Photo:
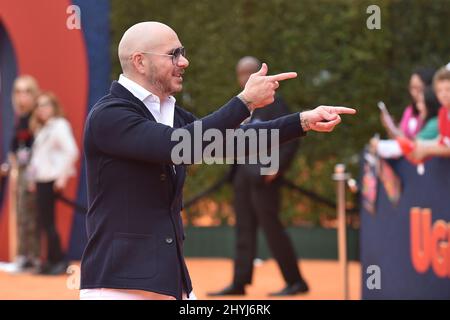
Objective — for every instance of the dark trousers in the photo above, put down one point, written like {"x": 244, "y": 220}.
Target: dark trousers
{"x": 28, "y": 230}
{"x": 257, "y": 205}
{"x": 45, "y": 198}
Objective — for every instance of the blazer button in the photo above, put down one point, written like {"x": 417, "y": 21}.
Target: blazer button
{"x": 169, "y": 240}
{"x": 162, "y": 176}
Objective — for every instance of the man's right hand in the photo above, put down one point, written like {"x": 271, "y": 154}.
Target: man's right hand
{"x": 260, "y": 88}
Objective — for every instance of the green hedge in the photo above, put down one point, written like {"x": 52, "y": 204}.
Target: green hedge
{"x": 308, "y": 242}
{"x": 339, "y": 60}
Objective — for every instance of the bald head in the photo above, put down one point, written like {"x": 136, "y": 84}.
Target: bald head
{"x": 143, "y": 36}
{"x": 250, "y": 64}
{"x": 245, "y": 67}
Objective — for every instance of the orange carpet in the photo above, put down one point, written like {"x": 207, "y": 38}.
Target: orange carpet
{"x": 207, "y": 275}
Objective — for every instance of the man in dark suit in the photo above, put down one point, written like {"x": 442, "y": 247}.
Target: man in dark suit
{"x": 135, "y": 231}
{"x": 257, "y": 203}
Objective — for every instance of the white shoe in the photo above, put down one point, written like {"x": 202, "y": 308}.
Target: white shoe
{"x": 14, "y": 267}
{"x": 10, "y": 267}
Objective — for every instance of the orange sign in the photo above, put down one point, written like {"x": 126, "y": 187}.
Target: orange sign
{"x": 429, "y": 243}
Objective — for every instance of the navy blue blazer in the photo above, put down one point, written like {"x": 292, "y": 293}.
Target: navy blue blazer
{"x": 134, "y": 225}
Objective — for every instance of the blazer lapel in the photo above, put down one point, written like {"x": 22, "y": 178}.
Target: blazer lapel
{"x": 176, "y": 172}
{"x": 180, "y": 170}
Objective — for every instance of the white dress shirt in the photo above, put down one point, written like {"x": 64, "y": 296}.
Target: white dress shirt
{"x": 54, "y": 152}
{"x": 162, "y": 112}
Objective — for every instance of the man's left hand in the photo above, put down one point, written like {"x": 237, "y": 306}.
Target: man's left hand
{"x": 323, "y": 118}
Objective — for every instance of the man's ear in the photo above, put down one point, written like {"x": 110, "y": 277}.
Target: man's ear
{"x": 138, "y": 63}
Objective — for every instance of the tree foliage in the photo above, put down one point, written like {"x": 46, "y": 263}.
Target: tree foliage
{"x": 339, "y": 61}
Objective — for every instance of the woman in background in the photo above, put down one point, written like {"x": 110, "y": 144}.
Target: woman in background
{"x": 24, "y": 97}
{"x": 413, "y": 118}
{"x": 52, "y": 163}
{"x": 428, "y": 106}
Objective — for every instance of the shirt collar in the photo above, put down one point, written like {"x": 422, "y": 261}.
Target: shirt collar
{"x": 140, "y": 92}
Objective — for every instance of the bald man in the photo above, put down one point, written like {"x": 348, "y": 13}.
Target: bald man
{"x": 134, "y": 226}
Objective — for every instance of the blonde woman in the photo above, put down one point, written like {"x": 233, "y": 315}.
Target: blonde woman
{"x": 24, "y": 97}
{"x": 52, "y": 163}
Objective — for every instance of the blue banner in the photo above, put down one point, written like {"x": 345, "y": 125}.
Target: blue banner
{"x": 407, "y": 240}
